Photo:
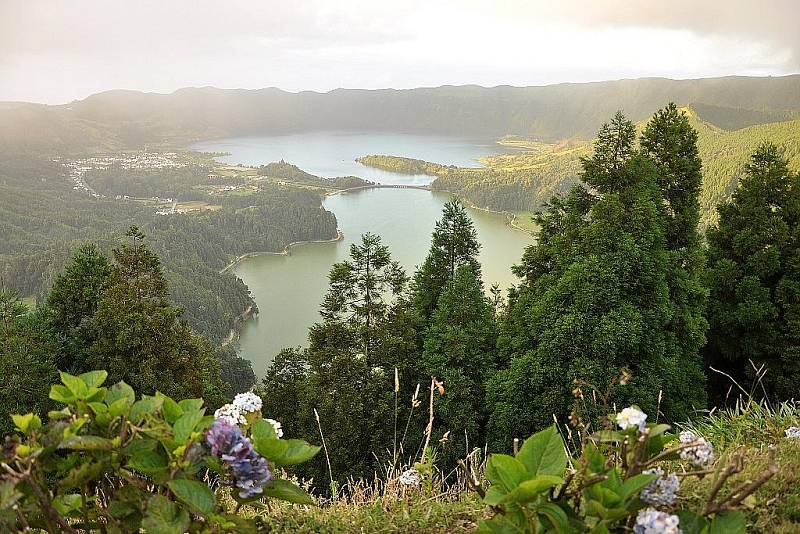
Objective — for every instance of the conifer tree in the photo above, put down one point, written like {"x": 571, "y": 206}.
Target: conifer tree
{"x": 460, "y": 351}
{"x": 595, "y": 299}
{"x": 73, "y": 301}
{"x": 454, "y": 243}
{"x": 754, "y": 276}
{"x": 140, "y": 335}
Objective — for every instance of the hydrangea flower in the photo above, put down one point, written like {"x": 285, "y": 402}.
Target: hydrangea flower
{"x": 631, "y": 417}
{"x": 231, "y": 414}
{"x": 250, "y": 470}
{"x": 662, "y": 491}
{"x": 410, "y": 477}
{"x": 652, "y": 521}
{"x": 699, "y": 451}
{"x": 247, "y": 402}
{"x": 793, "y": 432}
{"x": 277, "y": 426}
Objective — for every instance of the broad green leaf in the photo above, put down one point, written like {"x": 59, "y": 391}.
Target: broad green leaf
{"x": 196, "y": 494}
{"x": 529, "y": 490}
{"x": 728, "y": 522}
{"x": 287, "y": 491}
{"x": 172, "y": 411}
{"x": 505, "y": 471}
{"x": 63, "y": 413}
{"x": 690, "y": 522}
{"x": 98, "y": 407}
{"x": 118, "y": 391}
{"x": 657, "y": 430}
{"x": 285, "y": 451}
{"x": 87, "y": 443}
{"x": 635, "y": 484}
{"x": 119, "y": 407}
{"x": 81, "y": 474}
{"x": 184, "y": 426}
{"x": 191, "y": 405}
{"x": 261, "y": 429}
{"x": 27, "y": 422}
{"x": 165, "y": 517}
{"x": 94, "y": 379}
{"x": 543, "y": 453}
{"x": 65, "y": 504}
{"x": 75, "y": 385}
{"x": 555, "y": 515}
{"x": 144, "y": 406}
{"x": 61, "y": 393}
{"x": 595, "y": 461}
{"x": 96, "y": 394}
{"x": 148, "y": 462}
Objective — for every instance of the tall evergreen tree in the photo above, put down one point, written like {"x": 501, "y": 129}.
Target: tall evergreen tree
{"x": 595, "y": 298}
{"x": 359, "y": 288}
{"x": 460, "y": 351}
{"x": 754, "y": 276}
{"x": 140, "y": 335}
{"x": 73, "y": 301}
{"x": 454, "y": 243}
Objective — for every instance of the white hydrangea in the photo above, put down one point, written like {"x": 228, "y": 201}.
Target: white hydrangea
{"x": 662, "y": 491}
{"x": 793, "y": 432}
{"x": 631, "y": 417}
{"x": 411, "y": 477}
{"x": 652, "y": 521}
{"x": 277, "y": 426}
{"x": 247, "y": 402}
{"x": 699, "y": 450}
{"x": 230, "y": 414}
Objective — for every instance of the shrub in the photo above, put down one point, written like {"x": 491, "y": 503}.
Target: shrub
{"x": 108, "y": 462}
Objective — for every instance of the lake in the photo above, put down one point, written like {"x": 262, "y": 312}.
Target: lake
{"x": 288, "y": 289}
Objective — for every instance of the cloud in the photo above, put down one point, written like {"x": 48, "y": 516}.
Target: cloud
{"x": 54, "y": 51}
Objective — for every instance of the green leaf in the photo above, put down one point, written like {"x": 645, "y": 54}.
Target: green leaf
{"x": 285, "y": 451}
{"x": 87, "y": 443}
{"x": 287, "y": 491}
{"x": 728, "y": 522}
{"x": 635, "y": 484}
{"x": 75, "y": 385}
{"x": 61, "y": 393}
{"x": 690, "y": 522}
{"x": 119, "y": 407}
{"x": 94, "y": 379}
{"x": 505, "y": 471}
{"x": 529, "y": 490}
{"x": 27, "y": 422}
{"x": 81, "y": 474}
{"x": 65, "y": 504}
{"x": 98, "y": 407}
{"x": 555, "y": 515}
{"x": 191, "y": 405}
{"x": 172, "y": 411}
{"x": 184, "y": 426}
{"x": 543, "y": 453}
{"x": 196, "y": 494}
{"x": 148, "y": 462}
{"x": 262, "y": 430}
{"x": 118, "y": 391}
{"x": 165, "y": 517}
{"x": 96, "y": 394}
{"x": 144, "y": 406}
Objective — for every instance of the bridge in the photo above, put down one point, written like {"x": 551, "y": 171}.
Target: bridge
{"x": 383, "y": 186}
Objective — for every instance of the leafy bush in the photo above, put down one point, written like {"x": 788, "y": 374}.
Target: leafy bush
{"x": 616, "y": 483}
{"x": 108, "y": 462}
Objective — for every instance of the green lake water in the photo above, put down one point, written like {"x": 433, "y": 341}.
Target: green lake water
{"x": 288, "y": 289}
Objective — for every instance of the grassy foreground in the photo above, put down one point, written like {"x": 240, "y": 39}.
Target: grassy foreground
{"x": 754, "y": 431}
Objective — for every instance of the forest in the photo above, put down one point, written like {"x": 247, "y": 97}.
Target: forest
{"x": 627, "y": 326}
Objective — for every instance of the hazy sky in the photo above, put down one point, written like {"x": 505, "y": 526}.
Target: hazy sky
{"x": 55, "y": 51}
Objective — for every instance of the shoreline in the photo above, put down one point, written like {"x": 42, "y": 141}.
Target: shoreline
{"x": 285, "y": 252}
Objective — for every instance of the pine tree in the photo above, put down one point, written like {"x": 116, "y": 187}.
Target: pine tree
{"x": 140, "y": 335}
{"x": 754, "y": 276}
{"x": 460, "y": 351}
{"x": 73, "y": 301}
{"x": 454, "y": 243}
{"x": 359, "y": 288}
{"x": 595, "y": 299}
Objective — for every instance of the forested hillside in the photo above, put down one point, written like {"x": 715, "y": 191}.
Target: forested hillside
{"x": 525, "y": 180}
{"x": 118, "y": 119}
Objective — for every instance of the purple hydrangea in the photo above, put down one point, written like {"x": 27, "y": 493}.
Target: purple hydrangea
{"x": 250, "y": 470}
{"x": 662, "y": 491}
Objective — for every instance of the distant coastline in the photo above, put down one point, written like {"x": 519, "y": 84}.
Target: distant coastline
{"x": 285, "y": 252}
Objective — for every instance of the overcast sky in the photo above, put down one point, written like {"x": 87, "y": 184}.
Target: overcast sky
{"x": 55, "y": 51}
